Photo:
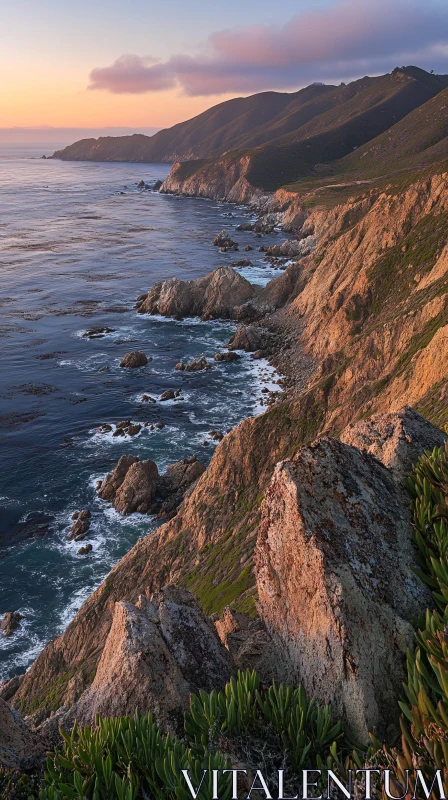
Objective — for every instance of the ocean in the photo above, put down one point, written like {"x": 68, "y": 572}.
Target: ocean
{"x": 78, "y": 243}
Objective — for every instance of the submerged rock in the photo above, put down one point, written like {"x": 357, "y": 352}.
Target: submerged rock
{"x": 10, "y": 622}
{"x": 134, "y": 360}
{"x": 157, "y": 653}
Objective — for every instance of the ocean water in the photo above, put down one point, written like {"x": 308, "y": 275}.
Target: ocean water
{"x": 78, "y": 243}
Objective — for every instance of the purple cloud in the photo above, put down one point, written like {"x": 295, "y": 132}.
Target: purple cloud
{"x": 131, "y": 74}
{"x": 350, "y": 38}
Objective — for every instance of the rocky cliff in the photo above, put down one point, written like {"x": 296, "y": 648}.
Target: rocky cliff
{"x": 362, "y": 328}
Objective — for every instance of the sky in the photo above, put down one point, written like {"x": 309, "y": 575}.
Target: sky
{"x": 94, "y": 65}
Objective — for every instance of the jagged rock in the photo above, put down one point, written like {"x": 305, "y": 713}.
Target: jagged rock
{"x": 248, "y": 248}
{"x": 20, "y": 748}
{"x": 243, "y": 262}
{"x": 248, "y": 338}
{"x": 336, "y": 590}
{"x": 81, "y": 524}
{"x": 169, "y": 394}
{"x": 97, "y": 333}
{"x": 198, "y": 365}
{"x": 224, "y": 242}
{"x": 134, "y": 360}
{"x": 396, "y": 439}
{"x": 146, "y": 398}
{"x": 249, "y": 644}
{"x": 157, "y": 652}
{"x": 227, "y": 356}
{"x": 217, "y": 295}
{"x": 157, "y": 185}
{"x": 131, "y": 486}
{"x": 160, "y": 425}
{"x": 10, "y": 622}
{"x": 136, "y": 485}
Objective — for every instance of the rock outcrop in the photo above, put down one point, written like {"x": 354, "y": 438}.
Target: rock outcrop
{"x": 134, "y": 360}
{"x": 20, "y": 748}
{"x": 197, "y": 365}
{"x": 80, "y": 525}
{"x": 397, "y": 440}
{"x": 157, "y": 652}
{"x": 10, "y": 622}
{"x": 336, "y": 590}
{"x": 227, "y": 355}
{"x": 217, "y": 295}
{"x": 136, "y": 486}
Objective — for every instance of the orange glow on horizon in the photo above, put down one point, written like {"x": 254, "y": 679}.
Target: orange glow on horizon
{"x": 62, "y": 101}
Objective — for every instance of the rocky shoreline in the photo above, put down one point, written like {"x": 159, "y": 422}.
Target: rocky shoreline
{"x": 281, "y": 551}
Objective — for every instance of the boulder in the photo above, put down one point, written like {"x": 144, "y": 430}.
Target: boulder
{"x": 217, "y": 295}
{"x": 242, "y": 262}
{"x": 224, "y": 242}
{"x": 197, "y": 365}
{"x": 227, "y": 356}
{"x": 146, "y": 398}
{"x": 396, "y": 439}
{"x": 169, "y": 394}
{"x": 157, "y": 652}
{"x": 134, "y": 360}
{"x": 10, "y": 622}
{"x": 334, "y": 559}
{"x": 83, "y": 551}
{"x": 248, "y": 338}
{"x": 156, "y": 186}
{"x": 20, "y": 748}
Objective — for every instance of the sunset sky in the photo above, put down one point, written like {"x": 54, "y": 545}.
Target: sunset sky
{"x": 145, "y": 64}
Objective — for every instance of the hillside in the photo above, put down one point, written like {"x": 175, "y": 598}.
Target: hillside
{"x": 290, "y": 132}
{"x": 369, "y": 310}
{"x": 312, "y": 150}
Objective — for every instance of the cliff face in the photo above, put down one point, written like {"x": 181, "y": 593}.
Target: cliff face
{"x": 369, "y": 308}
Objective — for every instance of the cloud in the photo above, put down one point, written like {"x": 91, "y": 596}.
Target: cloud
{"x": 350, "y": 38}
{"x": 131, "y": 74}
